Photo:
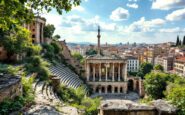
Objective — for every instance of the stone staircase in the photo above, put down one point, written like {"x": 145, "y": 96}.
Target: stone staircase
{"x": 67, "y": 77}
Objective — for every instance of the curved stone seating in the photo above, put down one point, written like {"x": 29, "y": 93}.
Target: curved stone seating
{"x": 67, "y": 77}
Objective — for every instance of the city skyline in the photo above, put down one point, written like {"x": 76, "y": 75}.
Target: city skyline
{"x": 121, "y": 21}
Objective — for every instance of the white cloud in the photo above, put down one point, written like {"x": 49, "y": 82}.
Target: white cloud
{"x": 172, "y": 30}
{"x": 176, "y": 15}
{"x": 78, "y": 8}
{"x": 167, "y": 4}
{"x": 144, "y": 26}
{"x": 119, "y": 14}
{"x": 135, "y": 6}
{"x": 132, "y": 0}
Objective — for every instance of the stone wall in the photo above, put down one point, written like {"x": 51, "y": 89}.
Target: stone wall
{"x": 127, "y": 107}
{"x": 10, "y": 87}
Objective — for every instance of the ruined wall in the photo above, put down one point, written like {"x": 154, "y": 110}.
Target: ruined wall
{"x": 10, "y": 87}
{"x": 123, "y": 112}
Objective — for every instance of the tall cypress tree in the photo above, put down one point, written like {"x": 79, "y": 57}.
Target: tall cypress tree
{"x": 177, "y": 42}
{"x": 180, "y": 43}
{"x": 183, "y": 41}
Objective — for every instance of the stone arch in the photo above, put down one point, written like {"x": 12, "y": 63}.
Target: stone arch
{"x": 103, "y": 89}
{"x": 121, "y": 90}
{"x": 116, "y": 89}
{"x": 130, "y": 85}
{"x": 109, "y": 89}
{"x": 97, "y": 89}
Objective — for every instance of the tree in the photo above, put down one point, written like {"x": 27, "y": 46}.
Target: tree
{"x": 18, "y": 42}
{"x": 144, "y": 69}
{"x": 155, "y": 84}
{"x": 49, "y": 30}
{"x": 180, "y": 42}
{"x": 158, "y": 67}
{"x": 77, "y": 56}
{"x": 183, "y": 41}
{"x": 56, "y": 37}
{"x": 177, "y": 42}
{"x": 13, "y": 12}
{"x": 91, "y": 52}
{"x": 177, "y": 96}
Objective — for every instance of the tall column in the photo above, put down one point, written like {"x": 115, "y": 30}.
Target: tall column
{"x": 106, "y": 73}
{"x": 119, "y": 72}
{"x": 112, "y": 89}
{"x": 100, "y": 72}
{"x": 113, "y": 72}
{"x": 93, "y": 72}
{"x": 105, "y": 89}
{"x": 88, "y": 71}
{"x": 125, "y": 72}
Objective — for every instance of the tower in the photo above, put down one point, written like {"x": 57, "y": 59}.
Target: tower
{"x": 98, "y": 39}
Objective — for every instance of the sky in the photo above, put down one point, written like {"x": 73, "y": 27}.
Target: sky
{"x": 121, "y": 21}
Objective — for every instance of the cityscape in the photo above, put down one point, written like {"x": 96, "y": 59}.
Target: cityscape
{"x": 92, "y": 57}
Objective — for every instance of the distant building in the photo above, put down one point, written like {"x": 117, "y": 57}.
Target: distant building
{"x": 132, "y": 64}
{"x": 165, "y": 61}
{"x": 179, "y": 66}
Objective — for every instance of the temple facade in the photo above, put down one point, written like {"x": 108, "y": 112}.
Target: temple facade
{"x": 106, "y": 73}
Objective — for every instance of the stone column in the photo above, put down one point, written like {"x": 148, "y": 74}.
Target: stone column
{"x": 106, "y": 73}
{"x": 125, "y": 72}
{"x": 118, "y": 89}
{"x": 105, "y": 89}
{"x": 113, "y": 72}
{"x": 93, "y": 72}
{"x": 119, "y": 72}
{"x": 100, "y": 72}
{"x": 88, "y": 71}
{"x": 112, "y": 89}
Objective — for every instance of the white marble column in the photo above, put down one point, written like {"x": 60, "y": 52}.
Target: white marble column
{"x": 105, "y": 90}
{"x": 100, "y": 72}
{"x": 112, "y": 89}
{"x": 119, "y": 72}
{"x": 113, "y": 72}
{"x": 125, "y": 72}
{"x": 106, "y": 73}
{"x": 93, "y": 72}
{"x": 88, "y": 71}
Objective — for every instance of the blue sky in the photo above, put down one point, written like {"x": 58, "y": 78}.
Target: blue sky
{"x": 150, "y": 21}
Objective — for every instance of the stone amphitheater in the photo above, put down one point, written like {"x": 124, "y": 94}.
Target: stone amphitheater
{"x": 47, "y": 100}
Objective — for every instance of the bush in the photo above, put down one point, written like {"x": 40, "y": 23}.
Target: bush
{"x": 158, "y": 67}
{"x": 155, "y": 84}
{"x": 36, "y": 64}
{"x": 77, "y": 98}
{"x": 33, "y": 50}
{"x": 8, "y": 69}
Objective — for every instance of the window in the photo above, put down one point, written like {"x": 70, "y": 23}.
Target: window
{"x": 33, "y": 36}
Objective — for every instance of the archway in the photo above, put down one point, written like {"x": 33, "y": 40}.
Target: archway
{"x": 121, "y": 90}
{"x": 97, "y": 89}
{"x": 109, "y": 89}
{"x": 130, "y": 85}
{"x": 103, "y": 89}
{"x": 116, "y": 89}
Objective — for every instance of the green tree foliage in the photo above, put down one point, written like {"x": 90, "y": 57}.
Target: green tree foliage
{"x": 91, "y": 52}
{"x": 158, "y": 67}
{"x": 77, "y": 98}
{"x": 144, "y": 69}
{"x": 177, "y": 96}
{"x": 36, "y": 64}
{"x": 18, "y": 42}
{"x": 56, "y": 37}
{"x": 77, "y": 56}
{"x": 49, "y": 30}
{"x": 155, "y": 84}
{"x": 13, "y": 12}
